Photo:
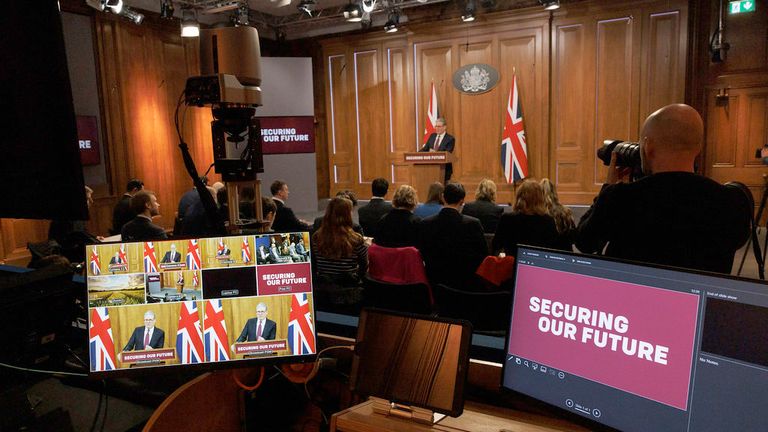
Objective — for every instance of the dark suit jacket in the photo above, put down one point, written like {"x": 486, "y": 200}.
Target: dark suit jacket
{"x": 447, "y": 144}
{"x": 488, "y": 213}
{"x": 136, "y": 342}
{"x": 453, "y": 246}
{"x": 398, "y": 228}
{"x": 286, "y": 220}
{"x": 249, "y": 331}
{"x": 122, "y": 214}
{"x": 167, "y": 257}
{"x": 516, "y": 229}
{"x": 115, "y": 260}
{"x": 318, "y": 222}
{"x": 141, "y": 229}
{"x": 370, "y": 214}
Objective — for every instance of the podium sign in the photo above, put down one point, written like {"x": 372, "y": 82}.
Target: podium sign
{"x": 428, "y": 167}
{"x": 151, "y": 355}
{"x": 270, "y": 346}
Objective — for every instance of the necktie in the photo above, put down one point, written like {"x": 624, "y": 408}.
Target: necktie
{"x": 437, "y": 142}
{"x": 146, "y": 339}
{"x": 258, "y": 330}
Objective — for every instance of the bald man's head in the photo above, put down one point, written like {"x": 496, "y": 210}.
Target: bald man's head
{"x": 672, "y": 138}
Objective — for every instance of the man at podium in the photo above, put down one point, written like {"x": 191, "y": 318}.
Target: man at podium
{"x": 147, "y": 336}
{"x": 441, "y": 141}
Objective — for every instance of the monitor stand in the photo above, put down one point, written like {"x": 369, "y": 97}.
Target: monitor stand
{"x": 416, "y": 414}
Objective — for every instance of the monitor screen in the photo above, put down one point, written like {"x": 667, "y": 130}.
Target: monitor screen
{"x": 200, "y": 302}
{"x": 413, "y": 360}
{"x": 638, "y": 348}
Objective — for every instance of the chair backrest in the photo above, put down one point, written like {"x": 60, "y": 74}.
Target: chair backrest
{"x": 487, "y": 311}
{"x": 414, "y": 298}
{"x": 489, "y": 242}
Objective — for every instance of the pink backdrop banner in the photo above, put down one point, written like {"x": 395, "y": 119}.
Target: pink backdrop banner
{"x": 284, "y": 278}
{"x": 655, "y": 316}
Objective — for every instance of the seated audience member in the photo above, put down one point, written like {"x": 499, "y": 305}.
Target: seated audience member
{"x": 285, "y": 219}
{"x": 196, "y": 221}
{"x": 400, "y": 227}
{"x": 268, "y": 211}
{"x": 434, "y": 202}
{"x": 528, "y": 224}
{"x": 275, "y": 253}
{"x": 339, "y": 254}
{"x": 190, "y": 197}
{"x": 71, "y": 235}
{"x": 293, "y": 253}
{"x": 141, "y": 228}
{"x": 484, "y": 207}
{"x": 348, "y": 194}
{"x": 452, "y": 244}
{"x": 247, "y": 201}
{"x": 563, "y": 216}
{"x": 122, "y": 211}
{"x": 263, "y": 256}
{"x": 671, "y": 216}
{"x": 370, "y": 214}
{"x": 301, "y": 249}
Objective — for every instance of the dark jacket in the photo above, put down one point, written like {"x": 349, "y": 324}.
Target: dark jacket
{"x": 517, "y": 228}
{"x": 286, "y": 220}
{"x": 370, "y": 214}
{"x": 398, "y": 228}
{"x": 142, "y": 229}
{"x": 489, "y": 214}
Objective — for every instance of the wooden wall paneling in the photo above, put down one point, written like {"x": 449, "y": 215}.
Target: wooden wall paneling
{"x": 433, "y": 62}
{"x": 617, "y": 85}
{"x": 572, "y": 106}
{"x": 721, "y": 137}
{"x": 370, "y": 93}
{"x": 16, "y": 234}
{"x": 663, "y": 60}
{"x": 476, "y": 126}
{"x": 340, "y": 130}
{"x": 400, "y": 112}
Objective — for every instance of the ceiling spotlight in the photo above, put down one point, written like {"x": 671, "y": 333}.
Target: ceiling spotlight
{"x": 392, "y": 22}
{"x": 132, "y": 15}
{"x": 550, "y": 4}
{"x": 189, "y": 25}
{"x": 166, "y": 9}
{"x": 353, "y": 13}
{"x": 306, "y": 6}
{"x": 115, "y": 6}
{"x": 369, "y": 5}
{"x": 242, "y": 15}
{"x": 469, "y": 11}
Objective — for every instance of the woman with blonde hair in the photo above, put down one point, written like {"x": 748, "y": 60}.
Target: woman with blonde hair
{"x": 400, "y": 227}
{"x": 562, "y": 215}
{"x": 528, "y": 224}
{"x": 484, "y": 207}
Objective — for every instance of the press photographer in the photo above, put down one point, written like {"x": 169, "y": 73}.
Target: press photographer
{"x": 671, "y": 215}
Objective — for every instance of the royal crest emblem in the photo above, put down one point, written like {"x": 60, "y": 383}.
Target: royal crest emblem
{"x": 475, "y": 78}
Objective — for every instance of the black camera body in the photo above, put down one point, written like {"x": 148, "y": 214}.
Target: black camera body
{"x": 627, "y": 155}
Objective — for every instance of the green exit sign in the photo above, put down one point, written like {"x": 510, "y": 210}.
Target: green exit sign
{"x": 736, "y": 7}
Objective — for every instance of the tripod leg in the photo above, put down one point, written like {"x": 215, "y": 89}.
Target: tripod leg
{"x": 753, "y": 239}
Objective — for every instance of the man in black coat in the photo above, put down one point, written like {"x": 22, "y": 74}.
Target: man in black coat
{"x": 371, "y": 213}
{"x": 441, "y": 141}
{"x": 141, "y": 228}
{"x": 452, "y": 244}
{"x": 122, "y": 212}
{"x": 285, "y": 219}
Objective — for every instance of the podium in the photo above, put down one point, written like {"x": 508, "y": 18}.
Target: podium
{"x": 428, "y": 167}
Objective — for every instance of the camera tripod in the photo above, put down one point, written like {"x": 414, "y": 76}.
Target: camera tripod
{"x": 754, "y": 240}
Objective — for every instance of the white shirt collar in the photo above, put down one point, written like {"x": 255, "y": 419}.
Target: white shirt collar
{"x": 278, "y": 199}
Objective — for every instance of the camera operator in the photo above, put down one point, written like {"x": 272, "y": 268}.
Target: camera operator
{"x": 672, "y": 216}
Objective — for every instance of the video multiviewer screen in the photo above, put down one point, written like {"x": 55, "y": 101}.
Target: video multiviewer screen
{"x": 202, "y": 301}
{"x": 639, "y": 348}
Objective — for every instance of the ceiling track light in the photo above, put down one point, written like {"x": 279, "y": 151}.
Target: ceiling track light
{"x": 114, "y": 6}
{"x": 166, "y": 9}
{"x": 132, "y": 15}
{"x": 306, "y": 6}
{"x": 369, "y": 5}
{"x": 550, "y": 4}
{"x": 392, "y": 22}
{"x": 469, "y": 11}
{"x": 353, "y": 12}
{"x": 189, "y": 25}
{"x": 242, "y": 13}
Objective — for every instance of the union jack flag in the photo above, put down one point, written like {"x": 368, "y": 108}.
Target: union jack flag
{"x": 123, "y": 255}
{"x": 432, "y": 115}
{"x": 301, "y": 331}
{"x": 94, "y": 264}
{"x": 102, "y": 346}
{"x": 180, "y": 279}
{"x": 216, "y": 348}
{"x": 514, "y": 151}
{"x": 193, "y": 255}
{"x": 221, "y": 248}
{"x": 150, "y": 259}
{"x": 246, "y": 251}
{"x": 195, "y": 280}
{"x": 189, "y": 337}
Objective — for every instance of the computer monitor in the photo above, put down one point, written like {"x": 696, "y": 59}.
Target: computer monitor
{"x": 638, "y": 347}
{"x": 203, "y": 302}
{"x": 413, "y": 360}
